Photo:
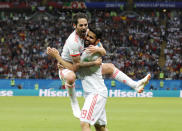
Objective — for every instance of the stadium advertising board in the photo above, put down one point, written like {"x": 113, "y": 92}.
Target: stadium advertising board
{"x": 111, "y": 93}
{"x": 4, "y": 5}
{"x": 155, "y": 4}
{"x": 120, "y": 93}
{"x": 6, "y": 93}
{"x": 104, "y": 4}
{"x": 79, "y": 93}
{"x": 62, "y": 93}
{"x": 89, "y": 5}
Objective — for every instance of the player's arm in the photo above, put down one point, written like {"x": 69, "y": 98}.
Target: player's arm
{"x": 55, "y": 53}
{"x": 76, "y": 60}
{"x": 77, "y": 64}
{"x": 65, "y": 64}
{"x": 101, "y": 50}
{"x": 96, "y": 49}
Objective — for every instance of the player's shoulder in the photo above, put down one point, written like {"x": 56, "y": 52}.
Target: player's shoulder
{"x": 73, "y": 38}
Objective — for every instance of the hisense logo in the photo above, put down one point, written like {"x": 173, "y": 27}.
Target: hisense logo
{"x": 6, "y": 93}
{"x": 52, "y": 93}
{"x": 48, "y": 92}
{"x": 119, "y": 93}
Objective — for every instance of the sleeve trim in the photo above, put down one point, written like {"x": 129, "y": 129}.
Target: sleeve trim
{"x": 75, "y": 55}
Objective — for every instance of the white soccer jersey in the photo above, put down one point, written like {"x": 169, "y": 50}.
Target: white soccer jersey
{"x": 91, "y": 77}
{"x": 74, "y": 46}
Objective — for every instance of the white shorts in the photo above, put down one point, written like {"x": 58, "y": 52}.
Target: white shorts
{"x": 93, "y": 111}
{"x": 63, "y": 72}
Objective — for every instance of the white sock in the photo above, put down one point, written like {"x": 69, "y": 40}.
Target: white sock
{"x": 74, "y": 102}
{"x": 121, "y": 77}
{"x": 71, "y": 92}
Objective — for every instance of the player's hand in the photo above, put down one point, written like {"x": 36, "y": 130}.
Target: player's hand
{"x": 52, "y": 52}
{"x": 98, "y": 61}
{"x": 92, "y": 49}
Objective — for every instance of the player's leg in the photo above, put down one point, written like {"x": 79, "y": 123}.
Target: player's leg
{"x": 85, "y": 126}
{"x": 100, "y": 127}
{"x": 141, "y": 83}
{"x": 101, "y": 123}
{"x": 69, "y": 77}
{"x": 110, "y": 69}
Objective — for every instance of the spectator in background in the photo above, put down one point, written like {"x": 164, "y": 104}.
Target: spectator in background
{"x": 151, "y": 87}
{"x": 138, "y": 38}
{"x": 36, "y": 86}
{"x": 20, "y": 87}
{"x": 113, "y": 83}
{"x": 12, "y": 82}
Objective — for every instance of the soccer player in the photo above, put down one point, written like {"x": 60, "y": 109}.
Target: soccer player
{"x": 72, "y": 49}
{"x": 95, "y": 91}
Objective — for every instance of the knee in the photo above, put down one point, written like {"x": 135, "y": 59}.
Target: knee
{"x": 108, "y": 68}
{"x": 84, "y": 125}
{"x": 71, "y": 77}
{"x": 111, "y": 66}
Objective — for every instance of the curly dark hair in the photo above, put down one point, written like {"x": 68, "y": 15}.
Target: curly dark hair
{"x": 77, "y": 16}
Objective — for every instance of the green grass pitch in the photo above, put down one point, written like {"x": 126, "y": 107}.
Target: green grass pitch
{"x": 124, "y": 114}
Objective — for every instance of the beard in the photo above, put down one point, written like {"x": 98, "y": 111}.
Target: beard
{"x": 82, "y": 33}
{"x": 88, "y": 43}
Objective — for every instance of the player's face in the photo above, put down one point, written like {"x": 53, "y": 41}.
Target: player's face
{"x": 90, "y": 39}
{"x": 82, "y": 27}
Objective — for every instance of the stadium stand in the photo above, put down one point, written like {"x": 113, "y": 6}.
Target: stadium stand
{"x": 133, "y": 45}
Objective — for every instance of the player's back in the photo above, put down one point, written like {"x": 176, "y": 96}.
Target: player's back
{"x": 73, "y": 46}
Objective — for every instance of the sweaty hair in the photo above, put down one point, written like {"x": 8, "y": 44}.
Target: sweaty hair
{"x": 77, "y": 16}
{"x": 96, "y": 31}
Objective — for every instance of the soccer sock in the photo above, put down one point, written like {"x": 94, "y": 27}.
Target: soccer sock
{"x": 74, "y": 102}
{"x": 121, "y": 77}
{"x": 72, "y": 95}
{"x": 71, "y": 92}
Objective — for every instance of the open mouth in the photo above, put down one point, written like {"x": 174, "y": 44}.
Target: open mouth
{"x": 83, "y": 31}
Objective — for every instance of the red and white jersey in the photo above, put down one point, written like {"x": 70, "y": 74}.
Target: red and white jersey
{"x": 74, "y": 46}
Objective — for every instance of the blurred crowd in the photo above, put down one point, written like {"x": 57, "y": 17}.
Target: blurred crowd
{"x": 38, "y": 1}
{"x": 132, "y": 41}
{"x": 173, "y": 49}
